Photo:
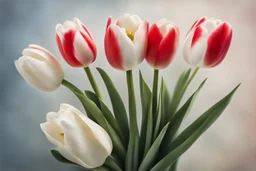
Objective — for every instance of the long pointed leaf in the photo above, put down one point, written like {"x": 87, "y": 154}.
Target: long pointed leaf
{"x": 56, "y": 154}
{"x": 107, "y": 114}
{"x": 187, "y": 138}
{"x": 152, "y": 153}
{"x": 145, "y": 95}
{"x": 166, "y": 99}
{"x": 117, "y": 103}
{"x": 177, "y": 94}
{"x": 178, "y": 118}
{"x": 98, "y": 115}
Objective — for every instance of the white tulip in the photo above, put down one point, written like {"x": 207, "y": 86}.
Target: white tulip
{"x": 77, "y": 137}
{"x": 40, "y": 68}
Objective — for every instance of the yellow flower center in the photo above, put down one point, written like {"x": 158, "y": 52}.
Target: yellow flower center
{"x": 130, "y": 35}
{"x": 62, "y": 134}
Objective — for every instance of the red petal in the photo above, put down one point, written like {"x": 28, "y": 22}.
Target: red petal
{"x": 68, "y": 49}
{"x": 197, "y": 23}
{"x": 167, "y": 49}
{"x": 218, "y": 45}
{"x": 91, "y": 45}
{"x": 109, "y": 22}
{"x": 87, "y": 31}
{"x": 112, "y": 50}
{"x": 197, "y": 34}
{"x": 154, "y": 39}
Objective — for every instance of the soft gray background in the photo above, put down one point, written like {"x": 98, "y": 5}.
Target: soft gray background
{"x": 229, "y": 145}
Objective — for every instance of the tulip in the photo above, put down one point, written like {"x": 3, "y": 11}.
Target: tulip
{"x": 207, "y": 42}
{"x": 40, "y": 68}
{"x": 78, "y": 138}
{"x": 75, "y": 43}
{"x": 126, "y": 41}
{"x": 163, "y": 39}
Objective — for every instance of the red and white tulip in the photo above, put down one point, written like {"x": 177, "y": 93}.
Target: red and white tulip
{"x": 75, "y": 43}
{"x": 207, "y": 42}
{"x": 163, "y": 40}
{"x": 126, "y": 41}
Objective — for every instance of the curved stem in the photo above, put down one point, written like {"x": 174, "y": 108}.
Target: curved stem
{"x": 92, "y": 81}
{"x": 71, "y": 87}
{"x": 155, "y": 90}
{"x": 111, "y": 163}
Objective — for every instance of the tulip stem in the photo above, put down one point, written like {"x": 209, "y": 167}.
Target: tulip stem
{"x": 155, "y": 90}
{"x": 111, "y": 163}
{"x": 93, "y": 82}
{"x": 132, "y": 156}
{"x": 71, "y": 87}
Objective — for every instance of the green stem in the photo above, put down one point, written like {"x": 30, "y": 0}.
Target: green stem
{"x": 92, "y": 81}
{"x": 132, "y": 154}
{"x": 155, "y": 89}
{"x": 71, "y": 86}
{"x": 111, "y": 163}
{"x": 191, "y": 78}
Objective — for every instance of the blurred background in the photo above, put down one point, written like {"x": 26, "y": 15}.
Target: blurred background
{"x": 229, "y": 145}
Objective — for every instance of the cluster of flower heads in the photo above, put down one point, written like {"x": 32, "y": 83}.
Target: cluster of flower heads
{"x": 128, "y": 41}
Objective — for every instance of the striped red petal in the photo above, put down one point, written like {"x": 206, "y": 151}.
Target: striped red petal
{"x": 197, "y": 34}
{"x": 197, "y": 23}
{"x": 167, "y": 49}
{"x": 109, "y": 22}
{"x": 68, "y": 48}
{"x": 112, "y": 49}
{"x": 154, "y": 39}
{"x": 91, "y": 45}
{"x": 218, "y": 45}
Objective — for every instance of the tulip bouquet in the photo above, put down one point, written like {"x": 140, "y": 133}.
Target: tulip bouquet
{"x": 105, "y": 139}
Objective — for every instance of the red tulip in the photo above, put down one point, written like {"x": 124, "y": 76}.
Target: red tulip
{"x": 207, "y": 42}
{"x": 126, "y": 41}
{"x": 75, "y": 43}
{"x": 163, "y": 40}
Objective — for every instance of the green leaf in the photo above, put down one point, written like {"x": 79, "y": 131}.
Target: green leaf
{"x": 187, "y": 138}
{"x": 99, "y": 117}
{"x": 117, "y": 103}
{"x": 111, "y": 163}
{"x": 149, "y": 129}
{"x": 107, "y": 114}
{"x": 165, "y": 99}
{"x": 56, "y": 154}
{"x": 152, "y": 153}
{"x": 158, "y": 120}
{"x": 178, "y": 93}
{"x": 145, "y": 95}
{"x": 178, "y": 118}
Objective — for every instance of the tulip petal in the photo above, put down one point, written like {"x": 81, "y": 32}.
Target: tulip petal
{"x": 112, "y": 49}
{"x": 80, "y": 141}
{"x": 82, "y": 51}
{"x": 195, "y": 55}
{"x": 154, "y": 39}
{"x": 167, "y": 49}
{"x": 53, "y": 133}
{"x": 141, "y": 40}
{"x": 68, "y": 48}
{"x": 218, "y": 44}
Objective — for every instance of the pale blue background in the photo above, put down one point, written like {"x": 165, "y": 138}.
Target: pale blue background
{"x": 230, "y": 145}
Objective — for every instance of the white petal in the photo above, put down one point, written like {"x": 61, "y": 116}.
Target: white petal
{"x": 83, "y": 52}
{"x": 69, "y": 25}
{"x": 140, "y": 41}
{"x": 53, "y": 133}
{"x": 127, "y": 48}
{"x": 80, "y": 142}
{"x": 129, "y": 22}
{"x": 60, "y": 30}
{"x": 100, "y": 134}
{"x": 35, "y": 53}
